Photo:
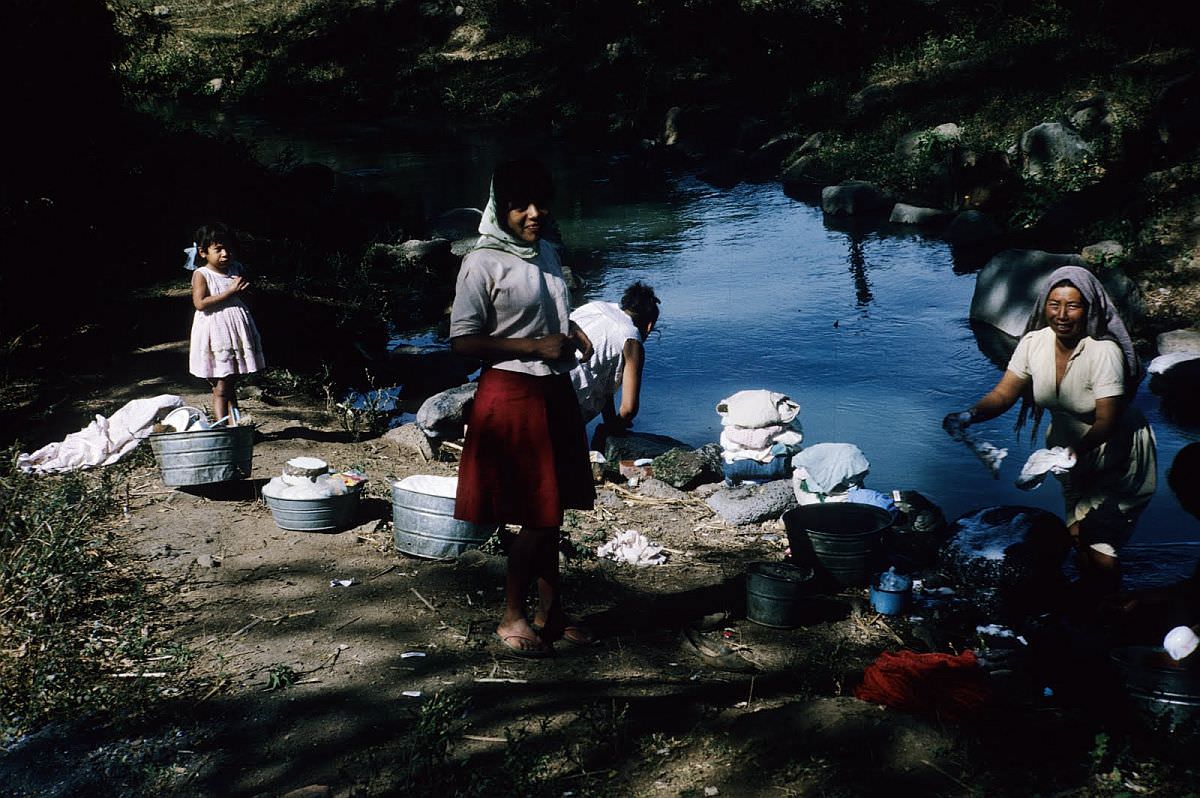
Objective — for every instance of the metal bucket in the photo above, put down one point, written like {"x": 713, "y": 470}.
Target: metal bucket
{"x": 204, "y": 456}
{"x": 841, "y": 537}
{"x": 425, "y": 526}
{"x": 1162, "y": 693}
{"x": 314, "y": 515}
{"x": 774, "y": 591}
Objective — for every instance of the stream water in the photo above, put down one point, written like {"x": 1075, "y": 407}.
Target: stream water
{"x": 867, "y": 329}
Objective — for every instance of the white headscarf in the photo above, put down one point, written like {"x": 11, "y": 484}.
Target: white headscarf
{"x": 494, "y": 235}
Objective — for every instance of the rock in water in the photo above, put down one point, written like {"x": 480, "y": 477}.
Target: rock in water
{"x": 685, "y": 470}
{"x": 636, "y": 445}
{"x": 1009, "y": 558}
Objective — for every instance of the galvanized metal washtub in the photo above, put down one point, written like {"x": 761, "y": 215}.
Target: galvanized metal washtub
{"x": 201, "y": 457}
{"x": 327, "y": 514}
{"x": 1162, "y": 692}
{"x": 424, "y": 523}
{"x": 841, "y": 537}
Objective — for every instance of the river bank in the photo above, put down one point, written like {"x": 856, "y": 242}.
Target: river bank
{"x": 261, "y": 677}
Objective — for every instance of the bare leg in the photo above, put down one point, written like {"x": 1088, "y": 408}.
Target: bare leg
{"x": 224, "y": 397}
{"x": 220, "y": 403}
{"x": 1100, "y": 574}
{"x": 548, "y": 581}
{"x": 523, "y": 565}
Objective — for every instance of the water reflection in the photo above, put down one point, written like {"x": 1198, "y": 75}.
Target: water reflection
{"x": 858, "y": 271}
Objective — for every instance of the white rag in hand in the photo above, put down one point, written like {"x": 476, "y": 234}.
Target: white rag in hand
{"x": 1058, "y": 460}
{"x": 632, "y": 547}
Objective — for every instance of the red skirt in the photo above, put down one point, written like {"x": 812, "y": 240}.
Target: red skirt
{"x": 525, "y": 458}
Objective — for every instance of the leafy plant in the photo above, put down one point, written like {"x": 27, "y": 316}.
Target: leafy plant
{"x": 280, "y": 676}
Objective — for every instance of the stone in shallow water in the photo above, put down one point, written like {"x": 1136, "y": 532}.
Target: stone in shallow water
{"x": 1009, "y": 556}
{"x": 685, "y": 470}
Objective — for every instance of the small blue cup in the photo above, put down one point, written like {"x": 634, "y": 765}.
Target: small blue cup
{"x": 891, "y": 601}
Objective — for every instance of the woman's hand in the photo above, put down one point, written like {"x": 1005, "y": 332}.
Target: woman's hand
{"x": 557, "y": 346}
{"x": 582, "y": 342}
{"x": 957, "y": 423}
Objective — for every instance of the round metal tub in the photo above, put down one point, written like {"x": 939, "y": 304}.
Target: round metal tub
{"x": 841, "y": 537}
{"x": 424, "y": 522}
{"x": 314, "y": 515}
{"x": 775, "y": 593}
{"x": 1162, "y": 692}
{"x": 203, "y": 456}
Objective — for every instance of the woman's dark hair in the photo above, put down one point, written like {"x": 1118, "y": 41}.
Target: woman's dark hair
{"x": 209, "y": 234}
{"x": 521, "y": 183}
{"x": 1068, "y": 284}
{"x": 640, "y": 303}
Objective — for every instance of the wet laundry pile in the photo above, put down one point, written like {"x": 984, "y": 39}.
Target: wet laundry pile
{"x": 760, "y": 432}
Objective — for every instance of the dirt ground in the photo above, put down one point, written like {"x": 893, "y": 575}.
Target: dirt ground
{"x": 292, "y": 682}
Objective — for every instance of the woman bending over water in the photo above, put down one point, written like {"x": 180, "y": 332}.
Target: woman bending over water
{"x": 1077, "y": 361}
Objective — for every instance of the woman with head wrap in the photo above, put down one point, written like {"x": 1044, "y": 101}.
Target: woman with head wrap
{"x": 1077, "y": 361}
{"x": 525, "y": 456}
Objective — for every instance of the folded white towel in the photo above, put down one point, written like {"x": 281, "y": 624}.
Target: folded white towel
{"x": 757, "y": 408}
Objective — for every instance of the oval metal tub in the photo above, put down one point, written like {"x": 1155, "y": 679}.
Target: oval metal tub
{"x": 315, "y": 515}
{"x": 204, "y": 456}
{"x": 425, "y": 526}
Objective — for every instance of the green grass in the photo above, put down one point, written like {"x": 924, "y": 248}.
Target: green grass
{"x": 72, "y": 612}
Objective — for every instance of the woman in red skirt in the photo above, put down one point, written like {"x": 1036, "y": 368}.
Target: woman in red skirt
{"x": 525, "y": 457}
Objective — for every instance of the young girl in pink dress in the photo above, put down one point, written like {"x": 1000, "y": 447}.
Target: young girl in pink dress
{"x": 225, "y": 342}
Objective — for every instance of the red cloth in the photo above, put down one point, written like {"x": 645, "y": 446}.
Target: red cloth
{"x": 948, "y": 686}
{"x": 525, "y": 457}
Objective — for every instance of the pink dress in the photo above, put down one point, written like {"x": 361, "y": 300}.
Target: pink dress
{"x": 224, "y": 338}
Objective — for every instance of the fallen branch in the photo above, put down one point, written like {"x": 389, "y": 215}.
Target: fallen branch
{"x": 477, "y": 738}
{"x": 497, "y": 680}
{"x": 423, "y": 599}
{"x": 387, "y": 570}
{"x": 347, "y": 623}
{"x": 957, "y": 781}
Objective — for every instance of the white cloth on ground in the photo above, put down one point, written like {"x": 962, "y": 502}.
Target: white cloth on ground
{"x": 757, "y": 408}
{"x": 633, "y": 548}
{"x": 104, "y": 441}
{"x": 1057, "y": 460}
{"x": 597, "y": 379}
{"x": 832, "y": 466}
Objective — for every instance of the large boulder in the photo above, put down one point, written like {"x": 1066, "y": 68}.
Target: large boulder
{"x": 753, "y": 504}
{"x": 685, "y": 470}
{"x": 1008, "y": 559}
{"x": 852, "y": 198}
{"x": 638, "y": 445}
{"x": 971, "y": 229}
{"x": 456, "y": 223}
{"x": 1186, "y": 341}
{"x": 1052, "y": 147}
{"x": 1008, "y": 287}
{"x": 443, "y": 415}
{"x": 922, "y": 217}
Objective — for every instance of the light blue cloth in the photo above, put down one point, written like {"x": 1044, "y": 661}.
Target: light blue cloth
{"x": 832, "y": 466}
